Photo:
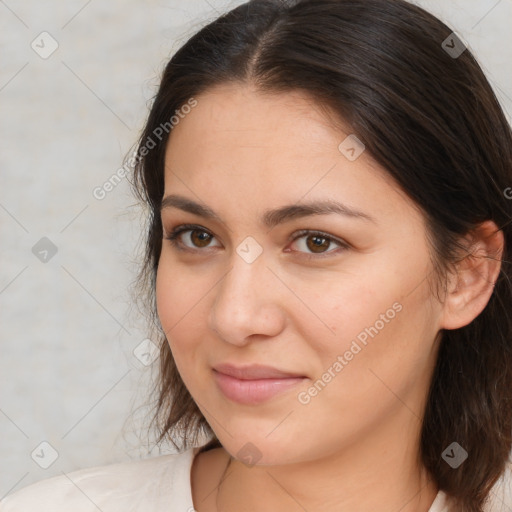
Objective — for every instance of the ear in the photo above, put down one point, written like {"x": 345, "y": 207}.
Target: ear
{"x": 472, "y": 281}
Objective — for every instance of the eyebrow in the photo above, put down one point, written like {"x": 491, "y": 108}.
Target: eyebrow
{"x": 270, "y": 218}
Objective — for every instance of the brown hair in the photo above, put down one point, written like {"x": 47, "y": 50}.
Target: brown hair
{"x": 431, "y": 119}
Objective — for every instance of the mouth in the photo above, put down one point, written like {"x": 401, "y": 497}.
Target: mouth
{"x": 255, "y": 384}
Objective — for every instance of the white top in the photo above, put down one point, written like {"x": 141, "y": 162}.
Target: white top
{"x": 156, "y": 484}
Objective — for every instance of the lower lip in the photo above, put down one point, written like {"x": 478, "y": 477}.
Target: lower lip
{"x": 252, "y": 392}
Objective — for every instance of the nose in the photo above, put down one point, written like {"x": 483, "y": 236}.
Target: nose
{"x": 248, "y": 302}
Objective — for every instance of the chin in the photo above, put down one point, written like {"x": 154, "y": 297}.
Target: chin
{"x": 259, "y": 450}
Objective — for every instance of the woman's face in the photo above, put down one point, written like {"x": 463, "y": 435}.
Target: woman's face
{"x": 345, "y": 314}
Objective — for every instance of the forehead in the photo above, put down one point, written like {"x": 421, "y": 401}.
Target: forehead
{"x": 276, "y": 147}
{"x": 238, "y": 114}
{"x": 235, "y": 124}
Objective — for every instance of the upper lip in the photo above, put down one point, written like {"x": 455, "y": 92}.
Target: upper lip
{"x": 253, "y": 371}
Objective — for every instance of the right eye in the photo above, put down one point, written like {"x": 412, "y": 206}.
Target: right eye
{"x": 198, "y": 237}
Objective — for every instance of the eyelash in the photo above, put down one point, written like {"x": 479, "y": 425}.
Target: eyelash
{"x": 173, "y": 237}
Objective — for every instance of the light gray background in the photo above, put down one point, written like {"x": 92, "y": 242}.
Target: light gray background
{"x": 68, "y": 375}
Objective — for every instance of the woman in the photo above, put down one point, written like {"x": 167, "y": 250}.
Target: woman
{"x": 328, "y": 259}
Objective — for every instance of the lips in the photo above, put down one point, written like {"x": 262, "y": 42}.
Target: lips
{"x": 253, "y": 372}
{"x": 254, "y": 384}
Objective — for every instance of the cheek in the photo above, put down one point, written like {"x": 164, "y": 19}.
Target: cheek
{"x": 348, "y": 305}
{"x": 382, "y": 351}
{"x": 176, "y": 289}
{"x": 176, "y": 303}
{"x": 377, "y": 321}
{"x": 166, "y": 303}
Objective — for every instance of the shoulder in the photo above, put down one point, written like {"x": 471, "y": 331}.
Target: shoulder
{"x": 498, "y": 500}
{"x": 500, "y": 497}
{"x": 127, "y": 486}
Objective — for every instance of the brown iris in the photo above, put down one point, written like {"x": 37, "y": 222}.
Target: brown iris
{"x": 203, "y": 240}
{"x": 319, "y": 242}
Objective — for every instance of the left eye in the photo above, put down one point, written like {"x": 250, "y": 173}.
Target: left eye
{"x": 317, "y": 242}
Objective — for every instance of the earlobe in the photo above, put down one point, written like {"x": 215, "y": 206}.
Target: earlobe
{"x": 473, "y": 279}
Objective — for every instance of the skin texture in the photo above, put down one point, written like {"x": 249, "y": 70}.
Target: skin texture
{"x": 354, "y": 445}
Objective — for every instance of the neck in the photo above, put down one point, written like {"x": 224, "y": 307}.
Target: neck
{"x": 382, "y": 473}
